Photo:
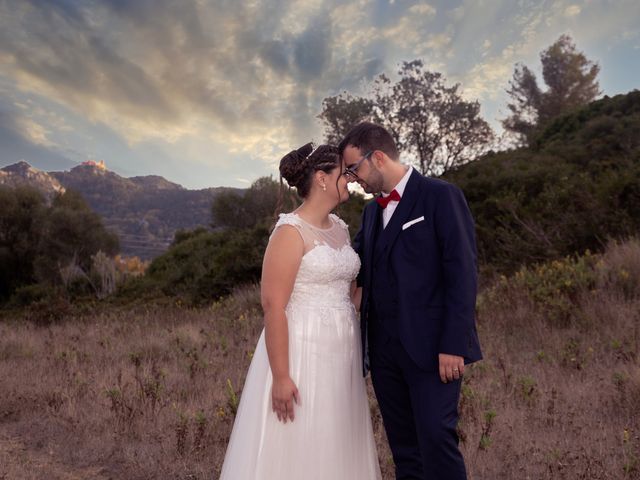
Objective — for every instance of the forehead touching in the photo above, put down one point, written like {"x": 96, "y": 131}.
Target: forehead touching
{"x": 351, "y": 154}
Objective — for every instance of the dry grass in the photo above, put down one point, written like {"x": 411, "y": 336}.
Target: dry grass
{"x": 151, "y": 394}
{"x": 146, "y": 395}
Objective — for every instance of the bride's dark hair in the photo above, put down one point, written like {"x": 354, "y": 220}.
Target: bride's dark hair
{"x": 298, "y": 166}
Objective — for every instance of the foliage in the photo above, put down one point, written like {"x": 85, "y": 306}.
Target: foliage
{"x": 71, "y": 231}
{"x": 571, "y": 81}
{"x": 40, "y": 243}
{"x": 552, "y": 287}
{"x": 103, "y": 274}
{"x": 351, "y": 212}
{"x": 342, "y": 112}
{"x": 21, "y": 213}
{"x": 256, "y": 205}
{"x": 429, "y": 120}
{"x": 202, "y": 265}
{"x": 576, "y": 188}
{"x": 130, "y": 266}
{"x": 209, "y": 265}
{"x": 619, "y": 268}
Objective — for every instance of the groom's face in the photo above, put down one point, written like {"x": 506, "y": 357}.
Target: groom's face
{"x": 363, "y": 170}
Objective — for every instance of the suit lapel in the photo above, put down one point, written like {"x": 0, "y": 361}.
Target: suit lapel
{"x": 400, "y": 216}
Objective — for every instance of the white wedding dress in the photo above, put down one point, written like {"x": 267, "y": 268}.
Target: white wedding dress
{"x": 331, "y": 437}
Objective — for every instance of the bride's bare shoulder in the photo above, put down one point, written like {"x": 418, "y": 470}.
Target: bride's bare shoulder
{"x": 287, "y": 230}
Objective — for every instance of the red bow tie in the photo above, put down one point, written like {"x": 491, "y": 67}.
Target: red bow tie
{"x": 384, "y": 201}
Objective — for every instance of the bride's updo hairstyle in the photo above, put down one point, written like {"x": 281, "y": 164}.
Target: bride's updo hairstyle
{"x": 298, "y": 166}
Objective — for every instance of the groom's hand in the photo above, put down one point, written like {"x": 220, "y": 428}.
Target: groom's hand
{"x": 451, "y": 367}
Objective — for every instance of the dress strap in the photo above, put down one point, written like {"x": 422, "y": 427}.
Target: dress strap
{"x": 289, "y": 219}
{"x": 339, "y": 221}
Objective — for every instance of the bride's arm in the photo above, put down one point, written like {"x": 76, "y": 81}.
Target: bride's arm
{"x": 356, "y": 295}
{"x": 279, "y": 268}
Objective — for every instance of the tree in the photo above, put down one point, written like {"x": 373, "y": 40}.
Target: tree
{"x": 47, "y": 245}
{"x": 71, "y": 232}
{"x": 429, "y": 121}
{"x": 21, "y": 212}
{"x": 257, "y": 205}
{"x": 579, "y": 187}
{"x": 342, "y": 112}
{"x": 432, "y": 121}
{"x": 571, "y": 81}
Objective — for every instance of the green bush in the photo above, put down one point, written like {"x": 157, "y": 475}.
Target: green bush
{"x": 209, "y": 265}
{"x": 37, "y": 242}
{"x": 578, "y": 187}
{"x": 202, "y": 265}
{"x": 29, "y": 294}
{"x": 619, "y": 269}
{"x": 552, "y": 287}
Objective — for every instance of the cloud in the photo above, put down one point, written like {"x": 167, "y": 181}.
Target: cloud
{"x": 246, "y": 78}
{"x": 23, "y": 139}
{"x": 457, "y": 14}
{"x": 156, "y": 71}
{"x": 422, "y": 9}
{"x": 408, "y": 31}
{"x": 34, "y": 132}
{"x": 572, "y": 11}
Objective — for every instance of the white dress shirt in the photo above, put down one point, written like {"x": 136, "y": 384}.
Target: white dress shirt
{"x": 387, "y": 213}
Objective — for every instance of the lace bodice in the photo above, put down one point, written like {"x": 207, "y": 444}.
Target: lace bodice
{"x": 328, "y": 266}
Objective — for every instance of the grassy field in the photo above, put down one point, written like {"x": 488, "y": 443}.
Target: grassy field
{"x": 146, "y": 393}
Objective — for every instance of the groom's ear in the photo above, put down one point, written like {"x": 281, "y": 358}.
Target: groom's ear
{"x": 378, "y": 158}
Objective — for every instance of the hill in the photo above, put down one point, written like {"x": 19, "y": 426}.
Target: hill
{"x": 22, "y": 173}
{"x": 575, "y": 188}
{"x": 144, "y": 211}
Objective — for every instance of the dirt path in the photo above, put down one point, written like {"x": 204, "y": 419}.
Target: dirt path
{"x": 18, "y": 462}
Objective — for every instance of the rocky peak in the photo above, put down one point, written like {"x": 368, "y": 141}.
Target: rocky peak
{"x": 22, "y": 173}
{"x": 21, "y": 168}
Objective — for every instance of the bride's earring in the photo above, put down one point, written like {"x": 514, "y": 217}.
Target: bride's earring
{"x": 324, "y": 187}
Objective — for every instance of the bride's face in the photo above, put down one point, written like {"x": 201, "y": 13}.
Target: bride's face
{"x": 337, "y": 184}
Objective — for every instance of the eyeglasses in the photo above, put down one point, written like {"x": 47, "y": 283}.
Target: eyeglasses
{"x": 350, "y": 172}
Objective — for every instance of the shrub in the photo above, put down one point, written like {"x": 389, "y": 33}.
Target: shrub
{"x": 28, "y": 294}
{"x": 578, "y": 187}
{"x": 619, "y": 268}
{"x": 210, "y": 264}
{"x": 553, "y": 287}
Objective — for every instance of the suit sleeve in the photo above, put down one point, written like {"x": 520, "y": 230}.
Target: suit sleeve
{"x": 358, "y": 246}
{"x": 456, "y": 235}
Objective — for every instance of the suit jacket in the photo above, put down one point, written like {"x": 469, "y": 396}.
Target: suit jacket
{"x": 424, "y": 263}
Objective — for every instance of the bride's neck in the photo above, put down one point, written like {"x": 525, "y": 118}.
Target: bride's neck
{"x": 316, "y": 213}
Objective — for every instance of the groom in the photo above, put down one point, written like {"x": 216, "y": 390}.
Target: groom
{"x": 418, "y": 275}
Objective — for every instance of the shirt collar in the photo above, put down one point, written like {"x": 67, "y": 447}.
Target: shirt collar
{"x": 402, "y": 183}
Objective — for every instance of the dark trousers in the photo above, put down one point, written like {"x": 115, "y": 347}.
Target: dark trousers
{"x": 420, "y": 413}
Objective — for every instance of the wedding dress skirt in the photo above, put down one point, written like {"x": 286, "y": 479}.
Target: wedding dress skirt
{"x": 331, "y": 437}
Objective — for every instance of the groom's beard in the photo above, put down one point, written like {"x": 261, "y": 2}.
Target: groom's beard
{"x": 374, "y": 183}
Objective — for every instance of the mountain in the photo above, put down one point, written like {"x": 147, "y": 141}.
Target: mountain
{"x": 156, "y": 182}
{"x": 144, "y": 211}
{"x": 22, "y": 173}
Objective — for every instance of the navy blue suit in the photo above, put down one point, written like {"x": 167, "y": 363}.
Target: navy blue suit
{"x": 419, "y": 291}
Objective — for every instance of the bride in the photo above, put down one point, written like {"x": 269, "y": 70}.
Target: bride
{"x": 304, "y": 411}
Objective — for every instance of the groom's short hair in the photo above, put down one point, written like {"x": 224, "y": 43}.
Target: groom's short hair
{"x": 367, "y": 137}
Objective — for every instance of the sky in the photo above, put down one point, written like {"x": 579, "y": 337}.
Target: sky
{"x": 214, "y": 93}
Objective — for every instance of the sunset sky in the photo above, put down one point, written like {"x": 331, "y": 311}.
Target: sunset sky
{"x": 213, "y": 93}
